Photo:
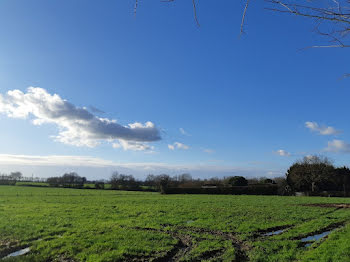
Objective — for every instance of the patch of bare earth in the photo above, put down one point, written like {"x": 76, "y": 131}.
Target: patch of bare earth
{"x": 184, "y": 244}
{"x": 336, "y": 205}
{"x": 8, "y": 246}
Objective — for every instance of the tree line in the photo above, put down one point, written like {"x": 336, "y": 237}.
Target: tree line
{"x": 317, "y": 174}
{"x": 312, "y": 175}
{"x": 67, "y": 180}
{"x": 10, "y": 179}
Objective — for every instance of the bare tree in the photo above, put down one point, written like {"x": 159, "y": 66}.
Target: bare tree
{"x": 332, "y": 17}
{"x": 16, "y": 175}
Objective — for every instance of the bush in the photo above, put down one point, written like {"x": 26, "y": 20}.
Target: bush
{"x": 237, "y": 181}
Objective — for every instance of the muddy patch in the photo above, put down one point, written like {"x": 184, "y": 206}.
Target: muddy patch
{"x": 338, "y": 205}
{"x": 7, "y": 244}
{"x": 240, "y": 247}
{"x": 7, "y": 247}
{"x": 185, "y": 243}
{"x": 179, "y": 250}
{"x": 212, "y": 254}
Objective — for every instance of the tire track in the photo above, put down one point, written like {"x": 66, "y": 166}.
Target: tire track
{"x": 185, "y": 243}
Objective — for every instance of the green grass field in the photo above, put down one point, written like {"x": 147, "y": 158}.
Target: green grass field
{"x": 103, "y": 225}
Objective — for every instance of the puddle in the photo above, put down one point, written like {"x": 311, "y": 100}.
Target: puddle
{"x": 316, "y": 237}
{"x": 19, "y": 252}
{"x": 273, "y": 233}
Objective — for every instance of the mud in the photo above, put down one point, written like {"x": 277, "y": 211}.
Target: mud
{"x": 322, "y": 234}
{"x": 336, "y": 205}
{"x": 185, "y": 243}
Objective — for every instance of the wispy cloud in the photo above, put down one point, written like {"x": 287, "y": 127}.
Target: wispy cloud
{"x": 322, "y": 130}
{"x": 55, "y": 164}
{"x": 282, "y": 152}
{"x": 77, "y": 126}
{"x": 338, "y": 146}
{"x": 208, "y": 150}
{"x": 95, "y": 110}
{"x": 178, "y": 145}
{"x": 54, "y": 160}
{"x": 182, "y": 131}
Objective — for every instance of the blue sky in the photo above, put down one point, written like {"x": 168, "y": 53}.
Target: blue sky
{"x": 238, "y": 99}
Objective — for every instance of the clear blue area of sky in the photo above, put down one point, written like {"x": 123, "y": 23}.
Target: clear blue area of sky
{"x": 242, "y": 97}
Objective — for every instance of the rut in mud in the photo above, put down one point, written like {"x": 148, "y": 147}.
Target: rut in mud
{"x": 329, "y": 205}
{"x": 185, "y": 243}
{"x": 309, "y": 239}
{"x": 272, "y": 231}
{"x": 14, "y": 251}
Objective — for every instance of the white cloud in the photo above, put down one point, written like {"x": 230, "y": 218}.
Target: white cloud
{"x": 132, "y": 145}
{"x": 311, "y": 157}
{"x": 208, "y": 150}
{"x": 178, "y": 145}
{"x": 282, "y": 152}
{"x": 322, "y": 130}
{"x": 95, "y": 110}
{"x": 338, "y": 146}
{"x": 77, "y": 126}
{"x": 181, "y": 146}
{"x": 182, "y": 131}
{"x": 54, "y": 160}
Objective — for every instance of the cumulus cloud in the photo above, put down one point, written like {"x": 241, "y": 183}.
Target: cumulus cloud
{"x": 338, "y": 146}
{"x": 77, "y": 126}
{"x": 132, "y": 145}
{"x": 282, "y": 152}
{"x": 322, "y": 130}
{"x": 178, "y": 145}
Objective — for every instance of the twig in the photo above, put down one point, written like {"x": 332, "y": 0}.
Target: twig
{"x": 195, "y": 12}
{"x": 243, "y": 16}
{"x": 135, "y": 6}
{"x": 325, "y": 46}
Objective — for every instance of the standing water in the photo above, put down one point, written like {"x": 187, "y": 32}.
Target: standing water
{"x": 314, "y": 238}
{"x": 19, "y": 252}
{"x": 272, "y": 233}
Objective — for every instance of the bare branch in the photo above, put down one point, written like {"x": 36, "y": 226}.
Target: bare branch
{"x": 309, "y": 15}
{"x": 243, "y": 16}
{"x": 195, "y": 12}
{"x": 135, "y": 6}
{"x": 325, "y": 46}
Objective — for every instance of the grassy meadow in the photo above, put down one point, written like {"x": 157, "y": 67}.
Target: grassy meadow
{"x": 103, "y": 225}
